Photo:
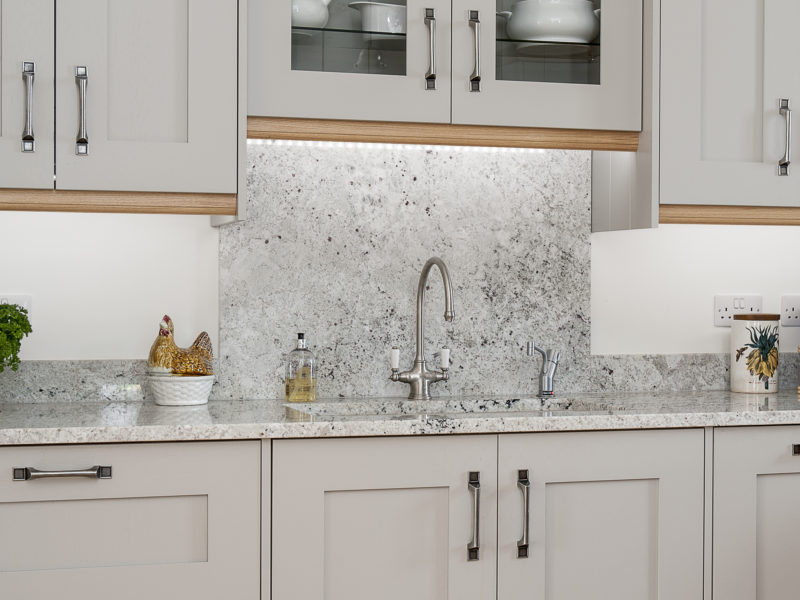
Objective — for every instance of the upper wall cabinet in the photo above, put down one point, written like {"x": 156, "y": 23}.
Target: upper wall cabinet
{"x": 145, "y": 95}
{"x": 725, "y": 69}
{"x": 534, "y": 63}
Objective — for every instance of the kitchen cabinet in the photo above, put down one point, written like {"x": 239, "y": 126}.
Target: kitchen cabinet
{"x": 165, "y": 520}
{"x": 340, "y": 69}
{"x": 387, "y": 518}
{"x": 724, "y": 70}
{"x": 713, "y": 130}
{"x": 611, "y": 514}
{"x": 126, "y": 97}
{"x": 756, "y": 521}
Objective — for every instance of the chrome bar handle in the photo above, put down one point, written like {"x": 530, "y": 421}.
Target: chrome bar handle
{"x": 524, "y": 484}
{"x": 27, "y": 473}
{"x": 430, "y": 21}
{"x": 82, "y": 141}
{"x": 28, "y": 141}
{"x": 474, "y": 485}
{"x": 786, "y": 112}
{"x": 475, "y": 78}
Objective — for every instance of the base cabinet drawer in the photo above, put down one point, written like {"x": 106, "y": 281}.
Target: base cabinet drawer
{"x": 171, "y": 520}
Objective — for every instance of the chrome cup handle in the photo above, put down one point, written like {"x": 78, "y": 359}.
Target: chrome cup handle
{"x": 473, "y": 548}
{"x": 475, "y": 78}
{"x": 28, "y": 473}
{"x": 786, "y": 112}
{"x": 82, "y": 141}
{"x": 524, "y": 484}
{"x": 28, "y": 140}
{"x": 430, "y": 21}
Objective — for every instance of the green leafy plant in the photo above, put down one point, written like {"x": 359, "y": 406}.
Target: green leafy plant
{"x": 14, "y": 325}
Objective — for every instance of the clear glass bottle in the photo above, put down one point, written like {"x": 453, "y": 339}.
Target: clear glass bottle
{"x": 301, "y": 373}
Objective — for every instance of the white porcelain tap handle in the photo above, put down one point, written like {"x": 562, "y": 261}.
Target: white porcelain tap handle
{"x": 445, "y": 355}
{"x": 395, "y": 357}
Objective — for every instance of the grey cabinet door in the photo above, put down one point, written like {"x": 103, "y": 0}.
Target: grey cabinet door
{"x": 160, "y": 98}
{"x": 724, "y": 68}
{"x": 596, "y": 85}
{"x": 26, "y": 36}
{"x": 176, "y": 520}
{"x": 756, "y": 516}
{"x": 612, "y": 515}
{"x": 341, "y": 71}
{"x": 387, "y": 518}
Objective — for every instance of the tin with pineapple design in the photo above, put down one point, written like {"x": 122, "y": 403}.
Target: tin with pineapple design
{"x": 754, "y": 353}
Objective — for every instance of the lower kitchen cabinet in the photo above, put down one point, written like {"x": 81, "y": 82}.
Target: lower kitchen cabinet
{"x": 756, "y": 514}
{"x": 611, "y": 515}
{"x": 387, "y": 518}
{"x": 163, "y": 521}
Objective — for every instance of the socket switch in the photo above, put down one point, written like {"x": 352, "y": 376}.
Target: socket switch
{"x": 727, "y": 305}
{"x": 23, "y": 300}
{"x": 790, "y": 311}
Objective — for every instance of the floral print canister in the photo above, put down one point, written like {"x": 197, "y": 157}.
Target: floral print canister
{"x": 754, "y": 353}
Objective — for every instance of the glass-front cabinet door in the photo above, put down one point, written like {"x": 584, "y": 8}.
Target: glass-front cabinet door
{"x": 350, "y": 59}
{"x": 548, "y": 63}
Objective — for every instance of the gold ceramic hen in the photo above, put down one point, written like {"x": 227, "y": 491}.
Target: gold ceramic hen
{"x": 166, "y": 357}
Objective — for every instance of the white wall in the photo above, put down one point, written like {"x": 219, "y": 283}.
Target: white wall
{"x": 101, "y": 283}
{"x": 653, "y": 290}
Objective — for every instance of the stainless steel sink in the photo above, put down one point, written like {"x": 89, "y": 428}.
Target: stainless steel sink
{"x": 400, "y": 409}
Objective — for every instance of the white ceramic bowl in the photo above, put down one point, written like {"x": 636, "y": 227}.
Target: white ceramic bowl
{"x": 180, "y": 390}
{"x": 380, "y": 17}
{"x": 553, "y": 21}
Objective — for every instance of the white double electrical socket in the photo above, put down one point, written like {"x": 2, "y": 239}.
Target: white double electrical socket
{"x": 23, "y": 300}
{"x": 790, "y": 311}
{"x": 727, "y": 305}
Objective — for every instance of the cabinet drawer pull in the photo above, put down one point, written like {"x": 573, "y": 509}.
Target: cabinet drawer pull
{"x": 786, "y": 112}
{"x": 28, "y": 141}
{"x": 82, "y": 141}
{"x": 524, "y": 484}
{"x": 430, "y": 21}
{"x": 475, "y": 24}
{"x": 473, "y": 548}
{"x": 26, "y": 473}
{"x": 795, "y": 449}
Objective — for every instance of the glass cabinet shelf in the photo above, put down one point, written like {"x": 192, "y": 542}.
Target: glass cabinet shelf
{"x": 348, "y": 51}
{"x": 550, "y": 62}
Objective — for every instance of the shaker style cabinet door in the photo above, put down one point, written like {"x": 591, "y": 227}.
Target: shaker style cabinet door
{"x": 724, "y": 69}
{"x": 388, "y": 518}
{"x": 346, "y": 59}
{"x": 163, "y": 521}
{"x": 756, "y": 515}
{"x": 601, "y": 515}
{"x": 574, "y": 64}
{"x": 147, "y": 95}
{"x": 26, "y": 94}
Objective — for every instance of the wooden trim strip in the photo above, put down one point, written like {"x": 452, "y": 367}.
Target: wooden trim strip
{"x": 118, "y": 202}
{"x": 728, "y": 215}
{"x": 278, "y": 128}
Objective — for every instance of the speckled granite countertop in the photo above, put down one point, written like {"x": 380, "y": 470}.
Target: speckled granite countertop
{"x": 96, "y": 422}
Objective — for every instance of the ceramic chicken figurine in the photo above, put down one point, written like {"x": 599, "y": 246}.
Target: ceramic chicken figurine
{"x": 165, "y": 356}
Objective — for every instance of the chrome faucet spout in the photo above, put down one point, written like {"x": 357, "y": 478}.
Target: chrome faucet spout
{"x": 449, "y": 311}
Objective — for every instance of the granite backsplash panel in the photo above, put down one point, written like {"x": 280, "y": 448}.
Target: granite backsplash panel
{"x": 334, "y": 242}
{"x": 333, "y": 245}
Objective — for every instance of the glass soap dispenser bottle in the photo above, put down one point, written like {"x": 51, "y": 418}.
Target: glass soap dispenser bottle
{"x": 301, "y": 373}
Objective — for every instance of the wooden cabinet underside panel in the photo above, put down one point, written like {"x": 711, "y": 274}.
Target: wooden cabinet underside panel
{"x": 698, "y": 214}
{"x": 332, "y": 130}
{"x": 117, "y": 202}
